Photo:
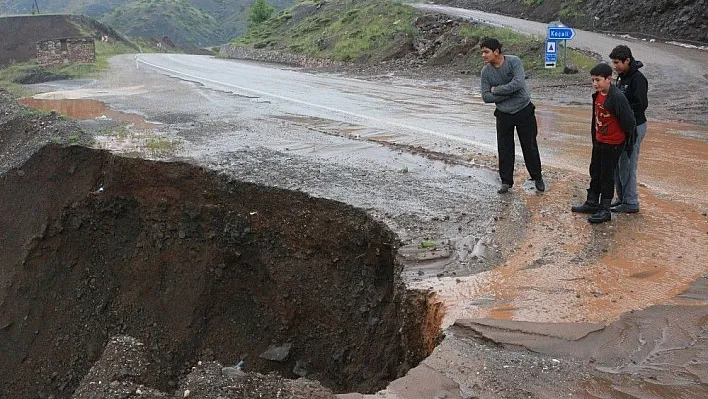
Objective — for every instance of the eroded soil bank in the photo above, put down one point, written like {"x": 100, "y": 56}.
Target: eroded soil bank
{"x": 196, "y": 267}
{"x": 552, "y": 277}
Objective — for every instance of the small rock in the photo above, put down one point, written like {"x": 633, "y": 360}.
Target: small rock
{"x": 302, "y": 368}
{"x": 570, "y": 70}
{"x": 277, "y": 353}
{"x": 232, "y": 372}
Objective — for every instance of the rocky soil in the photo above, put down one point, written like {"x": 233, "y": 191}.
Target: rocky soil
{"x": 24, "y": 130}
{"x": 440, "y": 51}
{"x": 664, "y": 19}
{"x": 124, "y": 365}
{"x": 195, "y": 266}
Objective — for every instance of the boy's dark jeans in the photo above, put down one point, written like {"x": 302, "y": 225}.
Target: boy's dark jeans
{"x": 525, "y": 123}
{"x": 602, "y": 168}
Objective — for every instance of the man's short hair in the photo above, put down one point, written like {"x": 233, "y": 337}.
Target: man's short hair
{"x": 621, "y": 53}
{"x": 492, "y": 44}
{"x": 601, "y": 69}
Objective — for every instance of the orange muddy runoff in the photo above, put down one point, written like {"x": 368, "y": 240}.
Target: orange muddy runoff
{"x": 563, "y": 270}
{"x": 87, "y": 109}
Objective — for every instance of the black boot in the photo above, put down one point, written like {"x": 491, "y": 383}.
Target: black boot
{"x": 603, "y": 214}
{"x": 591, "y": 205}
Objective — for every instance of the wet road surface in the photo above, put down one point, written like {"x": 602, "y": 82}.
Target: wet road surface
{"x": 660, "y": 58}
{"x": 419, "y": 156}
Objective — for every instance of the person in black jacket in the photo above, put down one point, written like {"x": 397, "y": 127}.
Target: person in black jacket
{"x": 613, "y": 125}
{"x": 634, "y": 85}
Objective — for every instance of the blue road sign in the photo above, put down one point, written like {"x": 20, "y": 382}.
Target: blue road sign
{"x": 551, "y": 51}
{"x": 560, "y": 33}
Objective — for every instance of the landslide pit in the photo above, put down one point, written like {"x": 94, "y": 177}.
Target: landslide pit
{"x": 197, "y": 267}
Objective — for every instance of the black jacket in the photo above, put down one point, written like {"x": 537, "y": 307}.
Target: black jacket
{"x": 634, "y": 85}
{"x": 618, "y": 105}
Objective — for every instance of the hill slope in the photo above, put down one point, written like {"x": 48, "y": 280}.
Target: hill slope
{"x": 673, "y": 19}
{"x": 230, "y": 15}
{"x": 20, "y": 33}
{"x": 382, "y": 35}
{"x": 177, "y": 19}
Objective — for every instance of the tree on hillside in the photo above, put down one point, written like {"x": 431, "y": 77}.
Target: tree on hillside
{"x": 260, "y": 11}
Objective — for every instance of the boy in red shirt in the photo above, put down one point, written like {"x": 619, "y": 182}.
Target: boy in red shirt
{"x": 613, "y": 126}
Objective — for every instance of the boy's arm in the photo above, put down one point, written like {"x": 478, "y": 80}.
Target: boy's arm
{"x": 625, "y": 115}
{"x": 487, "y": 94}
{"x": 640, "y": 90}
{"x": 517, "y": 83}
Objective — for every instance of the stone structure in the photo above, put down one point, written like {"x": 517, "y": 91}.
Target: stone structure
{"x": 249, "y": 53}
{"x": 70, "y": 50}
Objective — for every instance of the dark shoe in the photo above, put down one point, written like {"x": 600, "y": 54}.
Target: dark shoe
{"x": 601, "y": 216}
{"x": 591, "y": 205}
{"x": 540, "y": 185}
{"x": 625, "y": 208}
{"x": 616, "y": 203}
{"x": 504, "y": 189}
{"x": 586, "y": 207}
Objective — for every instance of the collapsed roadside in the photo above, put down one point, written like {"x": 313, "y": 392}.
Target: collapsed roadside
{"x": 579, "y": 280}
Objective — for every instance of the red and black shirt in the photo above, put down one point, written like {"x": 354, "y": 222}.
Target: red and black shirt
{"x": 607, "y": 127}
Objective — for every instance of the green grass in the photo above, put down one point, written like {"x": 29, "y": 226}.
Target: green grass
{"x": 345, "y": 31}
{"x": 571, "y": 10}
{"x": 178, "y": 19}
{"x": 161, "y": 146}
{"x": 531, "y": 49}
{"x": 73, "y": 71}
{"x": 349, "y": 31}
{"x": 12, "y": 71}
{"x": 505, "y": 35}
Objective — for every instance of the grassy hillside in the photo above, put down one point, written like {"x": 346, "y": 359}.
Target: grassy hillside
{"x": 374, "y": 31}
{"x": 177, "y": 19}
{"x": 343, "y": 29}
{"x": 230, "y": 15}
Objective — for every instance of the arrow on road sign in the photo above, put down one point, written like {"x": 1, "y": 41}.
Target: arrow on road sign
{"x": 560, "y": 33}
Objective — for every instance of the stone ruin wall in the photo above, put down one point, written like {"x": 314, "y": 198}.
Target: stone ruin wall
{"x": 73, "y": 50}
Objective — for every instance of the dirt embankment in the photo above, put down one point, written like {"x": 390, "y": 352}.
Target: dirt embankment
{"x": 20, "y": 34}
{"x": 195, "y": 267}
{"x": 664, "y": 19}
{"x": 23, "y": 131}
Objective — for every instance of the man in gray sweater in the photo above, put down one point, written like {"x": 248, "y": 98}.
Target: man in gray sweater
{"x": 504, "y": 83}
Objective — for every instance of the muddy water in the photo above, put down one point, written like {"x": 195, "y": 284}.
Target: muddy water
{"x": 87, "y": 109}
{"x": 673, "y": 161}
{"x": 565, "y": 270}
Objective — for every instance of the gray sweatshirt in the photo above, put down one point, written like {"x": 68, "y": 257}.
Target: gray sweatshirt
{"x": 509, "y": 82}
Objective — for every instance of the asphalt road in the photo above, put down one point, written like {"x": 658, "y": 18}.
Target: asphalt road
{"x": 405, "y": 112}
{"x": 665, "y": 64}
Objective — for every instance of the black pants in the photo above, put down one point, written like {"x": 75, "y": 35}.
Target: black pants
{"x": 525, "y": 123}
{"x": 602, "y": 169}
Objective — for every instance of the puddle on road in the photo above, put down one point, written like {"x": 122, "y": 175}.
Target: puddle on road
{"x": 88, "y": 109}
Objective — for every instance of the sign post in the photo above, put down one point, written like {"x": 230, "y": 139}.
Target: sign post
{"x": 557, "y": 32}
